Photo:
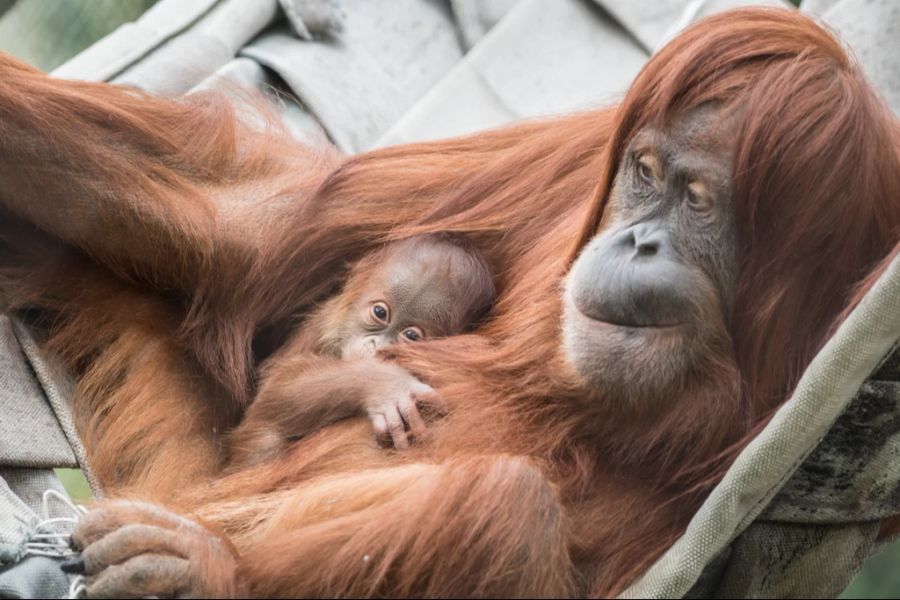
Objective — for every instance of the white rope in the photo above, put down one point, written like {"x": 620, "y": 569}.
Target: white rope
{"x": 52, "y": 535}
{"x": 77, "y": 589}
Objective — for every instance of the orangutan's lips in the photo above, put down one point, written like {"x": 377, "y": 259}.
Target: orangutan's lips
{"x": 637, "y": 326}
{"x": 599, "y": 322}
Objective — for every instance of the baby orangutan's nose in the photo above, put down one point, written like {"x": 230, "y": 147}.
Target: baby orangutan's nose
{"x": 375, "y": 343}
{"x": 380, "y": 342}
{"x": 368, "y": 347}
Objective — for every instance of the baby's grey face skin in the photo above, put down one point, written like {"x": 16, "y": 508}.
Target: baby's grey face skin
{"x": 418, "y": 293}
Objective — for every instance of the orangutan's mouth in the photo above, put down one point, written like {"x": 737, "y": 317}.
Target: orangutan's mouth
{"x": 630, "y": 325}
{"x": 605, "y": 323}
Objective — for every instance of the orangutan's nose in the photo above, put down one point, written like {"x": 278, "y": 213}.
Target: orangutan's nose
{"x": 633, "y": 277}
{"x": 643, "y": 241}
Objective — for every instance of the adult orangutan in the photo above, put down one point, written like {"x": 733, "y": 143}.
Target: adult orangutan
{"x": 722, "y": 217}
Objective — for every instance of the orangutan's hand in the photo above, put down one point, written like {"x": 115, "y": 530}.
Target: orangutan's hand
{"x": 393, "y": 403}
{"x": 134, "y": 549}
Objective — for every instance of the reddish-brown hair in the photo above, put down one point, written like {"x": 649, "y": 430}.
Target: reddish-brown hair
{"x": 815, "y": 175}
{"x": 816, "y": 182}
{"x": 816, "y": 187}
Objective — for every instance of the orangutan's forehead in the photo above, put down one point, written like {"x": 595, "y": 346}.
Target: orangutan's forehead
{"x": 426, "y": 285}
{"x": 418, "y": 279}
{"x": 707, "y": 127}
{"x": 700, "y": 142}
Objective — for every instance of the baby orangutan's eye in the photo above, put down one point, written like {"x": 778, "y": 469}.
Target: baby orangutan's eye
{"x": 412, "y": 334}
{"x": 380, "y": 312}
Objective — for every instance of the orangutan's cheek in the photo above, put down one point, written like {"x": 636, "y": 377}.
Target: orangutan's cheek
{"x": 637, "y": 318}
{"x": 635, "y": 365}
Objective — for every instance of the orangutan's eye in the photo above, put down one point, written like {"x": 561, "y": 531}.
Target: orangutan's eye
{"x": 644, "y": 168}
{"x": 380, "y": 312}
{"x": 412, "y": 334}
{"x": 699, "y": 198}
{"x": 645, "y": 172}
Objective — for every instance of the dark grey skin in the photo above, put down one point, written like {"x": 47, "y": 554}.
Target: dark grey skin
{"x": 654, "y": 289}
{"x": 423, "y": 288}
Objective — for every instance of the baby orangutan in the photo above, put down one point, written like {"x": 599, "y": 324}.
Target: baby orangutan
{"x": 417, "y": 289}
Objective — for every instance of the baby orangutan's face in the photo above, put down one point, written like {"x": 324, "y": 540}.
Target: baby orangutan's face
{"x": 416, "y": 293}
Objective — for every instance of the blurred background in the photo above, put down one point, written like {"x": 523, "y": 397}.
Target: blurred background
{"x": 46, "y": 33}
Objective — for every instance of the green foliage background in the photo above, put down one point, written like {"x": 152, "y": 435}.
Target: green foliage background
{"x": 48, "y": 32}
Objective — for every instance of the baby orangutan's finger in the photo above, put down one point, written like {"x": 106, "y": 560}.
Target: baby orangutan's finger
{"x": 379, "y": 425}
{"x": 396, "y": 428}
{"x": 417, "y": 387}
{"x": 414, "y": 420}
{"x": 430, "y": 403}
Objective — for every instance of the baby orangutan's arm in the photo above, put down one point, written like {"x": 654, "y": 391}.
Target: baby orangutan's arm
{"x": 303, "y": 393}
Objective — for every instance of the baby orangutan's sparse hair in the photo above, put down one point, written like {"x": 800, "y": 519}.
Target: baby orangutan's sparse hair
{"x": 421, "y": 288}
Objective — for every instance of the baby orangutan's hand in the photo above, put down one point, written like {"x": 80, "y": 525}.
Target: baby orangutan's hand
{"x": 393, "y": 405}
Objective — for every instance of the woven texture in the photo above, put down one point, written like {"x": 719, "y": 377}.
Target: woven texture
{"x": 826, "y": 390}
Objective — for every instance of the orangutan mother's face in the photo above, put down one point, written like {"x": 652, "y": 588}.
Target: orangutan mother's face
{"x": 649, "y": 297}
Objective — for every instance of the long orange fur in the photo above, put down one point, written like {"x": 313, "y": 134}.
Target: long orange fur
{"x": 203, "y": 230}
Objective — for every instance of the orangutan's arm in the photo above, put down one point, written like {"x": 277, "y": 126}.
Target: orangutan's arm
{"x": 302, "y": 394}
{"x": 97, "y": 166}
